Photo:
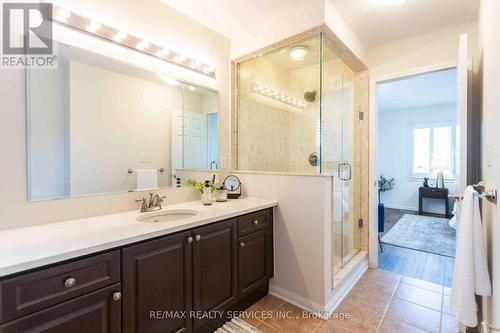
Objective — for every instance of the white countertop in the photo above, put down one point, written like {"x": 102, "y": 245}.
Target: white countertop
{"x": 31, "y": 247}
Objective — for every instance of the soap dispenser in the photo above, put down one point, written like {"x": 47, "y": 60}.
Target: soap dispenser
{"x": 206, "y": 197}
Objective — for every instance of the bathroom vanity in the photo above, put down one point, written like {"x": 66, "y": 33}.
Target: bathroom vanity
{"x": 177, "y": 278}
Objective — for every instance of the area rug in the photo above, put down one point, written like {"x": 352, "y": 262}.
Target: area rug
{"x": 237, "y": 326}
{"x": 423, "y": 233}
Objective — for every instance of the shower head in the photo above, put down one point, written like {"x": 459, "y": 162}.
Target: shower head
{"x": 310, "y": 96}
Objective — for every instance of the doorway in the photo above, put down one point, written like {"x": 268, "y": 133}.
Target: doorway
{"x": 417, "y": 164}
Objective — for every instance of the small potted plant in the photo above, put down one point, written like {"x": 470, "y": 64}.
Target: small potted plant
{"x": 384, "y": 185}
{"x": 199, "y": 186}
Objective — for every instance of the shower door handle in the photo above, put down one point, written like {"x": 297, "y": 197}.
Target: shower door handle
{"x": 340, "y": 174}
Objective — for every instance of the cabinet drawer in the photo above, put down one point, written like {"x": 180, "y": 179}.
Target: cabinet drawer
{"x": 97, "y": 312}
{"x": 40, "y": 289}
{"x": 254, "y": 221}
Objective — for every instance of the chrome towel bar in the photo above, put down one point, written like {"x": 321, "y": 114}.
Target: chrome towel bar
{"x": 481, "y": 192}
{"x": 133, "y": 170}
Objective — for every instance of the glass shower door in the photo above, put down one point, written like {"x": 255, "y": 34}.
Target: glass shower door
{"x": 340, "y": 132}
{"x": 348, "y": 172}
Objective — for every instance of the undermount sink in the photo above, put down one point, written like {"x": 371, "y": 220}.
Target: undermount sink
{"x": 167, "y": 215}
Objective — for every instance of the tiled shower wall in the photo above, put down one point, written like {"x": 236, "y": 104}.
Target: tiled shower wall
{"x": 272, "y": 135}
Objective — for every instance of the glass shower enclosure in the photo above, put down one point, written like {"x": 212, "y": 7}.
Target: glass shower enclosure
{"x": 297, "y": 113}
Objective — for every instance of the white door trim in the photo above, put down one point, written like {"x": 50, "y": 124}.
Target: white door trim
{"x": 373, "y": 147}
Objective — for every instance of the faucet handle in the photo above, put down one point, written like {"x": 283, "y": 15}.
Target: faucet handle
{"x": 144, "y": 205}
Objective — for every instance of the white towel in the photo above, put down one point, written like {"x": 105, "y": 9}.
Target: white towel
{"x": 456, "y": 215}
{"x": 147, "y": 179}
{"x": 470, "y": 275}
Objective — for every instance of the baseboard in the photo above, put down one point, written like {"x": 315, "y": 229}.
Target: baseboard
{"x": 413, "y": 209}
{"x": 297, "y": 300}
{"x": 340, "y": 292}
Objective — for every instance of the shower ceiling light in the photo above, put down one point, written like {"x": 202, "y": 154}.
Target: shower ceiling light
{"x": 299, "y": 52}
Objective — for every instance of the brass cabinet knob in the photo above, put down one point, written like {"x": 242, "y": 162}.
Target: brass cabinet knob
{"x": 197, "y": 238}
{"x": 189, "y": 239}
{"x": 117, "y": 296}
{"x": 70, "y": 282}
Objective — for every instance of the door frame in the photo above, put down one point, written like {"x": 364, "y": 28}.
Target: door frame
{"x": 373, "y": 246}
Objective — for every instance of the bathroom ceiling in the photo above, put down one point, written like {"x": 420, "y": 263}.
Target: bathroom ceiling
{"x": 379, "y": 24}
{"x": 434, "y": 88}
{"x": 252, "y": 24}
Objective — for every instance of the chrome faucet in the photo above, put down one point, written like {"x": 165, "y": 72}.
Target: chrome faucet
{"x": 153, "y": 203}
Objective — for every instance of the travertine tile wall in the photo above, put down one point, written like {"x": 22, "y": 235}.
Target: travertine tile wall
{"x": 273, "y": 136}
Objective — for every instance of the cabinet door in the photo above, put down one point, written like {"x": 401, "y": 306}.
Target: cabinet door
{"x": 214, "y": 268}
{"x": 157, "y": 285}
{"x": 254, "y": 261}
{"x": 97, "y": 312}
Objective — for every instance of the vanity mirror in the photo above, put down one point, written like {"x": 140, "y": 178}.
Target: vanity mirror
{"x": 98, "y": 125}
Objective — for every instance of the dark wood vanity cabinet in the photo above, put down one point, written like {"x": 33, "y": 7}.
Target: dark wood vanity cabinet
{"x": 255, "y": 260}
{"x": 157, "y": 285}
{"x": 214, "y": 268}
{"x": 167, "y": 284}
{"x": 97, "y": 312}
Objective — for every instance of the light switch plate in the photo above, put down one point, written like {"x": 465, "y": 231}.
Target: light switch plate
{"x": 489, "y": 155}
{"x": 145, "y": 158}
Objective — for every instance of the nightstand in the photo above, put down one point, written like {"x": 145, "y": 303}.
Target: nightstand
{"x": 433, "y": 193}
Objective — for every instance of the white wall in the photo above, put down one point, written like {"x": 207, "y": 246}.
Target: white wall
{"x": 302, "y": 233}
{"x": 490, "y": 46}
{"x": 145, "y": 18}
{"x": 421, "y": 51}
{"x": 395, "y": 154}
{"x": 341, "y": 28}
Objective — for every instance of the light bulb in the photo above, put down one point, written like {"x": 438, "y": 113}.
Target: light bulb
{"x": 120, "y": 36}
{"x": 162, "y": 53}
{"x": 144, "y": 44}
{"x": 93, "y": 26}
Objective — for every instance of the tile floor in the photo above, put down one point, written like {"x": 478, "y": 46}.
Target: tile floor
{"x": 381, "y": 301}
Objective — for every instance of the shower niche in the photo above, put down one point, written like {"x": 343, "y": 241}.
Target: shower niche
{"x": 299, "y": 109}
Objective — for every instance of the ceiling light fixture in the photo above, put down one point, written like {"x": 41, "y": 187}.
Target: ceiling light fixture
{"x": 299, "y": 52}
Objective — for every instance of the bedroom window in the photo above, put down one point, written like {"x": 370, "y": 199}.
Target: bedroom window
{"x": 433, "y": 149}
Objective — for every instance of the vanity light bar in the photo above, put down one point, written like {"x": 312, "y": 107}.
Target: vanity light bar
{"x": 268, "y": 92}
{"x": 95, "y": 28}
